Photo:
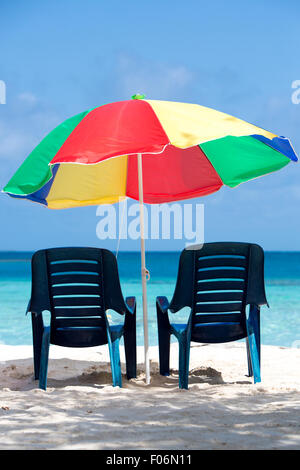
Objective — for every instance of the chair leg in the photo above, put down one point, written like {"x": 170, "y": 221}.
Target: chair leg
{"x": 184, "y": 361}
{"x": 116, "y": 369}
{"x": 164, "y": 339}
{"x": 130, "y": 355}
{"x": 44, "y": 359}
{"x": 37, "y": 335}
{"x": 250, "y": 371}
{"x": 114, "y": 354}
{"x": 130, "y": 346}
{"x": 253, "y": 330}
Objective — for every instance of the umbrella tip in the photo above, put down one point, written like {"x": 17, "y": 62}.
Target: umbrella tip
{"x": 138, "y": 96}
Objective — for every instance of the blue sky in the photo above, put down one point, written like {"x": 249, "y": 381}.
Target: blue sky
{"x": 59, "y": 58}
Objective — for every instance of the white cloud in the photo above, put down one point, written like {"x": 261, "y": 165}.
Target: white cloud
{"x": 155, "y": 80}
{"x": 13, "y": 141}
{"x": 28, "y": 98}
{"x": 25, "y": 124}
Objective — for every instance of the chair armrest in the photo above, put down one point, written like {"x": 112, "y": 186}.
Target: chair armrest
{"x": 131, "y": 305}
{"x": 163, "y": 322}
{"x": 28, "y": 307}
{"x": 34, "y": 311}
{"x": 162, "y": 304}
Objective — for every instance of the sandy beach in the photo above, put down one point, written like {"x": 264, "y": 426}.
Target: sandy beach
{"x": 81, "y": 410}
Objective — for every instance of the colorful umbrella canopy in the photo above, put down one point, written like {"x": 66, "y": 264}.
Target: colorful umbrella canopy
{"x": 184, "y": 151}
{"x": 196, "y": 150}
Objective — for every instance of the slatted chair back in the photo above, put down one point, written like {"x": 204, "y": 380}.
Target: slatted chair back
{"x": 77, "y": 285}
{"x": 217, "y": 282}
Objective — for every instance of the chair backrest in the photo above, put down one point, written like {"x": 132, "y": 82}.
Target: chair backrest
{"x": 77, "y": 285}
{"x": 218, "y": 281}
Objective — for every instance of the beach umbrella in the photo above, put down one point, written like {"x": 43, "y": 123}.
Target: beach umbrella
{"x": 149, "y": 150}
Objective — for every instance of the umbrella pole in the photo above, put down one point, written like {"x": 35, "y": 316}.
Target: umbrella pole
{"x": 144, "y": 271}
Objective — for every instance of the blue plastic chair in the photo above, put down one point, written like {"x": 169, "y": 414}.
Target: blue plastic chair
{"x": 217, "y": 282}
{"x": 77, "y": 286}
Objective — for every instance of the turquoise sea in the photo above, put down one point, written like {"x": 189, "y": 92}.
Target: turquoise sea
{"x": 280, "y": 322}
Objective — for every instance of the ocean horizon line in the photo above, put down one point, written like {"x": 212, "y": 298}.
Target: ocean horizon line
{"x": 131, "y": 251}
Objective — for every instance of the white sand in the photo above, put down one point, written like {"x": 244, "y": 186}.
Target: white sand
{"x": 81, "y": 410}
